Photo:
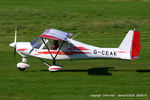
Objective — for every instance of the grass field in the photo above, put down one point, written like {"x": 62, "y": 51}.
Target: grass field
{"x": 102, "y": 23}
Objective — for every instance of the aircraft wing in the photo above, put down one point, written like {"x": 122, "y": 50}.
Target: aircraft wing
{"x": 55, "y": 34}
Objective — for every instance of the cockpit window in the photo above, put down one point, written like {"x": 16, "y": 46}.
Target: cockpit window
{"x": 36, "y": 43}
{"x": 51, "y": 44}
{"x": 48, "y": 44}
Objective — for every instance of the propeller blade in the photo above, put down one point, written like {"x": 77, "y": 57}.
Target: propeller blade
{"x": 15, "y": 44}
{"x": 14, "y": 54}
{"x": 15, "y": 38}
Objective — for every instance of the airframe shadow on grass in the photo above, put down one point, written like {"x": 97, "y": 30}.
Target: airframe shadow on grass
{"x": 94, "y": 71}
{"x": 102, "y": 71}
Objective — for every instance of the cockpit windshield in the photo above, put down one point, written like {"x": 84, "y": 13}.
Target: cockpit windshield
{"x": 36, "y": 43}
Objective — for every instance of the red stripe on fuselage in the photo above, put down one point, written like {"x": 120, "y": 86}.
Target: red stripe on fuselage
{"x": 22, "y": 49}
{"x": 64, "y": 53}
{"x": 120, "y": 52}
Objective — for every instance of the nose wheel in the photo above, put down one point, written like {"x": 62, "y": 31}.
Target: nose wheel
{"x": 22, "y": 66}
{"x": 21, "y": 69}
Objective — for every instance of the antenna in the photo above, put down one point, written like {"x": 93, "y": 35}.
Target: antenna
{"x": 75, "y": 35}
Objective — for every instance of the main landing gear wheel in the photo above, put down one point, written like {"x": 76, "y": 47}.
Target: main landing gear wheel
{"x": 55, "y": 68}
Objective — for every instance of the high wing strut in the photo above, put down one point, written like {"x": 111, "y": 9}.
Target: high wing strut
{"x": 54, "y": 58}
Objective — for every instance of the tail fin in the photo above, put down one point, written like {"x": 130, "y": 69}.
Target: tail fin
{"x": 130, "y": 46}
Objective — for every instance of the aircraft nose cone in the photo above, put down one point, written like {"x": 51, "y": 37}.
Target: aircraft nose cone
{"x": 12, "y": 44}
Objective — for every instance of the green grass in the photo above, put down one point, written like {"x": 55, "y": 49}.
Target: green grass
{"x": 101, "y": 23}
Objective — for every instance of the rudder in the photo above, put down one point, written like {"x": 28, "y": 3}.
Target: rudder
{"x": 136, "y": 45}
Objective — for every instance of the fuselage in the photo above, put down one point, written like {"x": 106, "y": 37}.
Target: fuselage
{"x": 72, "y": 50}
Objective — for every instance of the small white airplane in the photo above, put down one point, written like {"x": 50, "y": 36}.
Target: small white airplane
{"x": 57, "y": 45}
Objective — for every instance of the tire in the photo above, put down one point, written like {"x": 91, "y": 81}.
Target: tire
{"x": 21, "y": 69}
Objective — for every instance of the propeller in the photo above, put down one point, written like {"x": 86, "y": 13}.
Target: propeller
{"x": 15, "y": 44}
